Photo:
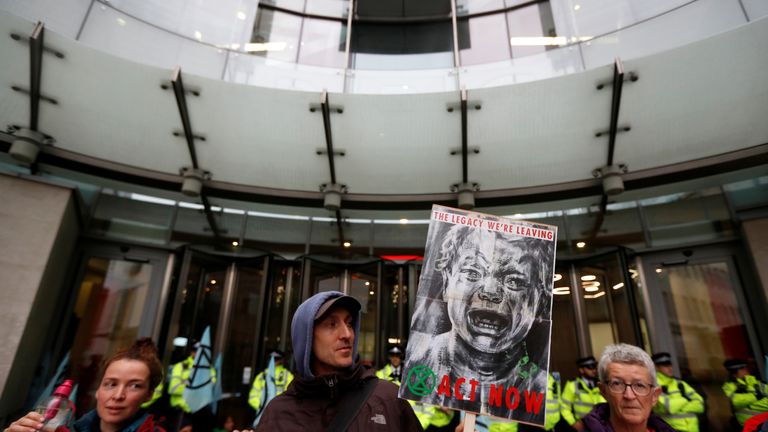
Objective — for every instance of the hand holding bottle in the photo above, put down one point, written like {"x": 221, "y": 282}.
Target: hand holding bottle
{"x": 29, "y": 423}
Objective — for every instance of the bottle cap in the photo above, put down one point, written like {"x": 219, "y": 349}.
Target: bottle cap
{"x": 65, "y": 389}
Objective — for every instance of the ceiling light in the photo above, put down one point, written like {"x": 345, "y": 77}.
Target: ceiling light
{"x": 588, "y": 277}
{"x": 367, "y": 283}
{"x": 241, "y": 15}
{"x": 332, "y": 195}
{"x": 558, "y": 276}
{"x": 213, "y": 281}
{"x": 198, "y": 35}
{"x": 576, "y": 7}
{"x": 580, "y": 244}
{"x": 393, "y": 340}
{"x": 590, "y": 284}
{"x": 591, "y": 288}
{"x": 193, "y": 178}
{"x": 595, "y": 295}
{"x": 658, "y": 270}
{"x": 403, "y": 221}
{"x": 538, "y": 40}
{"x": 619, "y": 285}
{"x": 561, "y": 290}
{"x": 370, "y": 292}
{"x": 263, "y": 46}
{"x": 347, "y": 244}
{"x": 121, "y": 21}
{"x": 235, "y": 243}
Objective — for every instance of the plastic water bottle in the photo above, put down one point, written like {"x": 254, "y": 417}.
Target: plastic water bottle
{"x": 57, "y": 409}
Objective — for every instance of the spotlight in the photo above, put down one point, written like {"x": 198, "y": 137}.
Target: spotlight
{"x": 193, "y": 180}
{"x": 347, "y": 244}
{"x": 332, "y": 198}
{"x": 611, "y": 175}
{"x": 26, "y": 145}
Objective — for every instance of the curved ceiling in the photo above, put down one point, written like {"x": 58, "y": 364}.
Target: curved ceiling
{"x": 703, "y": 100}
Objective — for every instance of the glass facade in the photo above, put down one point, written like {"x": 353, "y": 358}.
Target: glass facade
{"x": 310, "y": 47}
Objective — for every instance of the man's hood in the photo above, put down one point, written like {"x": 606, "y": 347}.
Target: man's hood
{"x": 302, "y": 330}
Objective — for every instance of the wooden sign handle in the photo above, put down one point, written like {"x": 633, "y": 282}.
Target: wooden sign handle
{"x": 469, "y": 422}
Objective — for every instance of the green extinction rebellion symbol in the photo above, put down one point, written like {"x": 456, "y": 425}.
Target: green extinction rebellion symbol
{"x": 421, "y": 380}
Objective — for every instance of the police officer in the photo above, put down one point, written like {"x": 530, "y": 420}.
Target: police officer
{"x": 581, "y": 394}
{"x": 746, "y": 393}
{"x": 179, "y": 379}
{"x": 679, "y": 403}
{"x": 283, "y": 377}
{"x": 553, "y": 409}
{"x": 393, "y": 370}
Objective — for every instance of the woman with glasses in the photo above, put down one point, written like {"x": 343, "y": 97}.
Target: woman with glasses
{"x": 628, "y": 382}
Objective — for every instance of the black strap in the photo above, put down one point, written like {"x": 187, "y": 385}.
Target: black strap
{"x": 350, "y": 405}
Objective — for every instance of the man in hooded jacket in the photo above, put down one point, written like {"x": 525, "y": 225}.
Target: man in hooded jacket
{"x": 329, "y": 376}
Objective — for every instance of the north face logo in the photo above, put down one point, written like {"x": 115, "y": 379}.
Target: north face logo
{"x": 379, "y": 419}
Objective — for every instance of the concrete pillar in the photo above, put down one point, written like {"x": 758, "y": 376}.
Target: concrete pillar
{"x": 38, "y": 235}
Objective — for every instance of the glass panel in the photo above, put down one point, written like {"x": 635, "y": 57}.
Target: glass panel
{"x": 202, "y": 289}
{"x": 565, "y": 348}
{"x": 118, "y": 34}
{"x": 748, "y": 193}
{"x": 124, "y": 218}
{"x": 658, "y": 34}
{"x": 329, "y": 8}
{"x": 362, "y": 284}
{"x": 323, "y": 277}
{"x": 621, "y": 226}
{"x": 595, "y": 17}
{"x": 276, "y": 235}
{"x": 400, "y": 238}
{"x": 286, "y": 278}
{"x": 403, "y": 82}
{"x": 402, "y": 46}
{"x": 483, "y": 40}
{"x": 608, "y": 308}
{"x": 109, "y": 309}
{"x": 221, "y": 23}
{"x": 325, "y": 237}
{"x": 64, "y": 18}
{"x": 695, "y": 216}
{"x": 707, "y": 327}
{"x": 192, "y": 226}
{"x": 275, "y": 35}
{"x": 239, "y": 361}
{"x": 256, "y": 70}
{"x": 323, "y": 43}
{"x": 294, "y": 5}
{"x": 526, "y": 28}
{"x": 552, "y": 63}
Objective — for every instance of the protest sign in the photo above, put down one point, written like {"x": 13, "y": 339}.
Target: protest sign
{"x": 480, "y": 331}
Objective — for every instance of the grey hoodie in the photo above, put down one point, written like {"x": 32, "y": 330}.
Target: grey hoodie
{"x": 302, "y": 330}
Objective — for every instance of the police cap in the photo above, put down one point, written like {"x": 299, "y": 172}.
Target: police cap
{"x": 662, "y": 358}
{"x": 734, "y": 365}
{"x": 587, "y": 362}
{"x": 395, "y": 351}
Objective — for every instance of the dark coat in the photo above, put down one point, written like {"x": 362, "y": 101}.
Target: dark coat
{"x": 143, "y": 423}
{"x": 311, "y": 404}
{"x": 598, "y": 421}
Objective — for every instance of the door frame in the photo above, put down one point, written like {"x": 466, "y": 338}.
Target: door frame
{"x": 659, "y": 330}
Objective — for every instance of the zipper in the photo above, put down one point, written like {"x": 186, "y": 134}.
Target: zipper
{"x": 331, "y": 381}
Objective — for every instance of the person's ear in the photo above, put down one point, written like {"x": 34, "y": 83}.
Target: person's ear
{"x": 656, "y": 393}
{"x": 604, "y": 390}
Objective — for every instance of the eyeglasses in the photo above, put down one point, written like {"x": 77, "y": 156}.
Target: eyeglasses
{"x": 640, "y": 389}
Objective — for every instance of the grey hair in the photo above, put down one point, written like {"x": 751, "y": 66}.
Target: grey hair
{"x": 625, "y": 354}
